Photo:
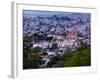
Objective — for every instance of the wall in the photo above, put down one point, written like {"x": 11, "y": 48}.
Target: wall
{"x": 5, "y": 38}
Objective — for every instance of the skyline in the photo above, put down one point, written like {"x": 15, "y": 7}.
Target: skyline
{"x": 51, "y": 13}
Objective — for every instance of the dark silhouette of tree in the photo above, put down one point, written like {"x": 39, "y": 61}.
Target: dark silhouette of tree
{"x": 49, "y": 38}
{"x": 54, "y": 46}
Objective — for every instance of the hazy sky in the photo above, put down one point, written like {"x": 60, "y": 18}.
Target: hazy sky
{"x": 43, "y": 13}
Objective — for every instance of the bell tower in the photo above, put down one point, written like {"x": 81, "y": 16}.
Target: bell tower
{"x": 73, "y": 34}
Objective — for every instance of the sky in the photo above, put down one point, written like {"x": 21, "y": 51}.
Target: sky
{"x": 46, "y": 13}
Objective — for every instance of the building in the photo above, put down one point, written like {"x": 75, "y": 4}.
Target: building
{"x": 73, "y": 34}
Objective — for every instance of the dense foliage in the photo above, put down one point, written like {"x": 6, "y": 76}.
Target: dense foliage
{"x": 80, "y": 57}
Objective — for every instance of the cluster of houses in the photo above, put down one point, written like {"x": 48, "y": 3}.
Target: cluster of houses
{"x": 58, "y": 45}
{"x": 60, "y": 41}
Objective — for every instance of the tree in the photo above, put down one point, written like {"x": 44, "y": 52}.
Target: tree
{"x": 54, "y": 46}
{"x": 49, "y": 38}
{"x": 26, "y": 46}
{"x": 36, "y": 50}
{"x": 35, "y": 37}
{"x": 79, "y": 58}
{"x": 33, "y": 62}
{"x": 45, "y": 53}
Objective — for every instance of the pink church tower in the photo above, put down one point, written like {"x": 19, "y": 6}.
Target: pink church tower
{"x": 73, "y": 34}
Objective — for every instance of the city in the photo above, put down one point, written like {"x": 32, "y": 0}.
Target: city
{"x": 51, "y": 38}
